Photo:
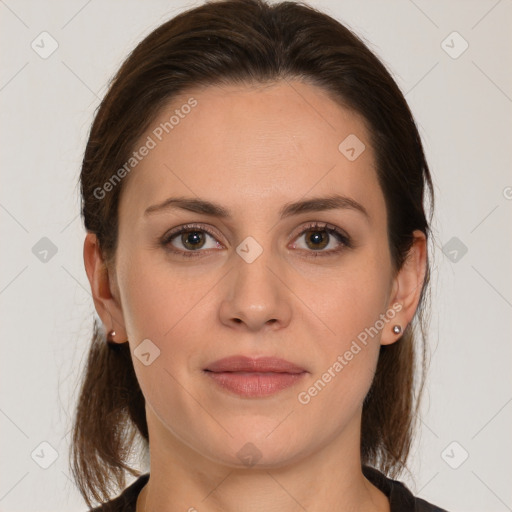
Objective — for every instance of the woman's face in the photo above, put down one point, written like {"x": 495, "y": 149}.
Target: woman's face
{"x": 260, "y": 280}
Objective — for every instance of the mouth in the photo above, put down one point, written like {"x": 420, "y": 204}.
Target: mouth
{"x": 254, "y": 377}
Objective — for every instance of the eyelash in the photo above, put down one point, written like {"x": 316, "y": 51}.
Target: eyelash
{"x": 344, "y": 240}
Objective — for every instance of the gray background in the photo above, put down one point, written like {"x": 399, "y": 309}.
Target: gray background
{"x": 463, "y": 104}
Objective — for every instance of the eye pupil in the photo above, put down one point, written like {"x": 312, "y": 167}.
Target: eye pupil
{"x": 192, "y": 239}
{"x": 318, "y": 237}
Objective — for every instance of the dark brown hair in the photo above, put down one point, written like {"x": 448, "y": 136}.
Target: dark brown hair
{"x": 247, "y": 42}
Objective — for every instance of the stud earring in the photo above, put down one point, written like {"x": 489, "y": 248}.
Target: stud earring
{"x": 111, "y": 334}
{"x": 397, "y": 329}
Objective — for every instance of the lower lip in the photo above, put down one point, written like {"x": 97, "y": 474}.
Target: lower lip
{"x": 255, "y": 384}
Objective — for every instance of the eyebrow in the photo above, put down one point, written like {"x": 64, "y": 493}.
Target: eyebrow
{"x": 314, "y": 204}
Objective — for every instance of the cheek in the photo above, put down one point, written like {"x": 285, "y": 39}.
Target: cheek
{"x": 162, "y": 306}
{"x": 346, "y": 360}
{"x": 157, "y": 298}
{"x": 168, "y": 306}
{"x": 352, "y": 299}
{"x": 354, "y": 311}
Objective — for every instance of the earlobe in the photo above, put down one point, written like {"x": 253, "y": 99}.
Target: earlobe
{"x": 105, "y": 302}
{"x": 407, "y": 288}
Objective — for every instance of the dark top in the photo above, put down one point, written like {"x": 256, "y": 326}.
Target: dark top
{"x": 400, "y": 498}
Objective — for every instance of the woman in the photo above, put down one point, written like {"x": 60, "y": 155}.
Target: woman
{"x": 253, "y": 192}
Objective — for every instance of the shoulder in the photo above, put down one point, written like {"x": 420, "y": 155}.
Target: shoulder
{"x": 400, "y": 497}
{"x": 127, "y": 500}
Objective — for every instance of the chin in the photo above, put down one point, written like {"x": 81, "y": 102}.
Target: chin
{"x": 257, "y": 446}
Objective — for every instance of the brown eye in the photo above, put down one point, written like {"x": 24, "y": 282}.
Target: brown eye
{"x": 317, "y": 239}
{"x": 190, "y": 240}
{"x": 193, "y": 239}
{"x": 322, "y": 240}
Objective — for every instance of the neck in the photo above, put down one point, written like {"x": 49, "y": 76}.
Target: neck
{"x": 329, "y": 479}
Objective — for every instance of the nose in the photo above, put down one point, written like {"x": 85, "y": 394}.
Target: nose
{"x": 256, "y": 296}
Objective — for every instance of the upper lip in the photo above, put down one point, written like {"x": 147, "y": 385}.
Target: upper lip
{"x": 254, "y": 364}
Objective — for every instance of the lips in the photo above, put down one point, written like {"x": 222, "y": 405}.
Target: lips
{"x": 248, "y": 364}
{"x": 254, "y": 377}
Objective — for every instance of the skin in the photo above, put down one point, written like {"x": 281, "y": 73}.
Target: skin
{"x": 254, "y": 149}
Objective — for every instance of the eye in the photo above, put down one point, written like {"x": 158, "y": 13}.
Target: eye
{"x": 319, "y": 236}
{"x": 189, "y": 239}
{"x": 320, "y": 239}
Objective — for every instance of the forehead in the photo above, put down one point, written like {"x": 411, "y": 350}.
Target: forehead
{"x": 254, "y": 146}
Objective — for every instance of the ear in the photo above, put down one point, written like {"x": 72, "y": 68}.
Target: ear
{"x": 102, "y": 284}
{"x": 406, "y": 288}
